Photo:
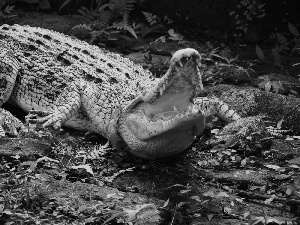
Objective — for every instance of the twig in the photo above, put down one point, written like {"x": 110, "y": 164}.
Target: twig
{"x": 251, "y": 195}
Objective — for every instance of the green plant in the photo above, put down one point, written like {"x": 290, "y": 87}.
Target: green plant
{"x": 282, "y": 45}
{"x": 245, "y": 12}
{"x": 43, "y": 4}
{"x": 140, "y": 214}
{"x": 151, "y": 19}
{"x": 267, "y": 85}
{"x": 194, "y": 206}
{"x": 105, "y": 17}
{"x": 225, "y": 66}
{"x": 172, "y": 35}
{"x": 6, "y": 10}
{"x": 109, "y": 20}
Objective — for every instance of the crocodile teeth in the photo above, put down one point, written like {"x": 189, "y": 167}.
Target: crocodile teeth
{"x": 190, "y": 110}
{"x": 161, "y": 91}
{"x": 175, "y": 110}
{"x": 180, "y": 63}
{"x": 148, "y": 96}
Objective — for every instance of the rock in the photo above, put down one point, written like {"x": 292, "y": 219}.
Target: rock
{"x": 249, "y": 101}
{"x": 88, "y": 199}
{"x": 24, "y": 147}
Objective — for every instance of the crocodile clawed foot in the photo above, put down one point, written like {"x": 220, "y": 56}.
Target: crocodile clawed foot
{"x": 47, "y": 119}
{"x": 9, "y": 124}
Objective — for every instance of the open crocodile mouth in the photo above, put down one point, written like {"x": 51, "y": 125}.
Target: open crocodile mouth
{"x": 163, "y": 120}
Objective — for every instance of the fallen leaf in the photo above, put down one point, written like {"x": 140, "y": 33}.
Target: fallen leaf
{"x": 279, "y": 124}
{"x": 294, "y": 161}
{"x": 227, "y": 210}
{"x": 166, "y": 203}
{"x": 209, "y": 216}
{"x": 221, "y": 194}
{"x": 280, "y": 220}
{"x": 87, "y": 168}
{"x": 274, "y": 167}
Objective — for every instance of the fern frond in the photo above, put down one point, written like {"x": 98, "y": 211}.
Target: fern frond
{"x": 151, "y": 19}
{"x": 2, "y": 3}
{"x": 86, "y": 27}
{"x": 81, "y": 31}
{"x": 122, "y": 7}
{"x": 103, "y": 21}
{"x": 124, "y": 26}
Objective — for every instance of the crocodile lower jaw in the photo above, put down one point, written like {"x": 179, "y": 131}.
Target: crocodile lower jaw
{"x": 145, "y": 128}
{"x": 166, "y": 136}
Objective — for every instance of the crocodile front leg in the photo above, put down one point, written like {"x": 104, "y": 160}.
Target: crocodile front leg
{"x": 67, "y": 106}
{"x": 82, "y": 106}
{"x": 216, "y": 107}
{"x": 249, "y": 129}
{"x": 9, "y": 69}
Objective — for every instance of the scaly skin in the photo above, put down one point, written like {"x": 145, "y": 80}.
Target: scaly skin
{"x": 71, "y": 83}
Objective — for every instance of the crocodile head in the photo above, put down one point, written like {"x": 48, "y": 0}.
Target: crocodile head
{"x": 163, "y": 121}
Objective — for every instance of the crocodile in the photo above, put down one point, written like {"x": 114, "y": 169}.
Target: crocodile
{"x": 63, "y": 81}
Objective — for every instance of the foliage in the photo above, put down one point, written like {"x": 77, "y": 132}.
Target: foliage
{"x": 43, "y": 4}
{"x": 109, "y": 20}
{"x": 246, "y": 11}
{"x": 267, "y": 85}
{"x": 141, "y": 214}
{"x": 5, "y": 10}
{"x": 282, "y": 45}
{"x": 220, "y": 65}
{"x": 104, "y": 16}
{"x": 151, "y": 19}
